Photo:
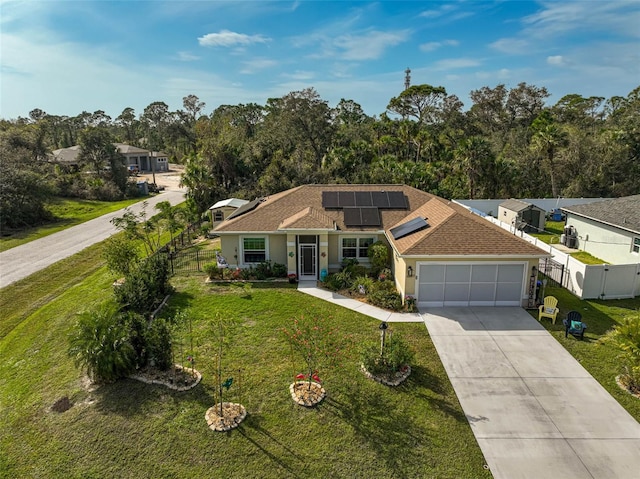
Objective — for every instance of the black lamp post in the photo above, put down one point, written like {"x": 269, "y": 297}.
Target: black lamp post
{"x": 383, "y": 328}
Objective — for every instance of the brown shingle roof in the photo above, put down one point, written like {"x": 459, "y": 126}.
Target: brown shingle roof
{"x": 453, "y": 230}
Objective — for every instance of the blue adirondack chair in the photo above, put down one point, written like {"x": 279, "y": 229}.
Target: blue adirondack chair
{"x": 573, "y": 325}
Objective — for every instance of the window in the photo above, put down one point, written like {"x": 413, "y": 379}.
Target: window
{"x": 356, "y": 247}
{"x": 254, "y": 250}
{"x": 218, "y": 216}
{"x": 635, "y": 247}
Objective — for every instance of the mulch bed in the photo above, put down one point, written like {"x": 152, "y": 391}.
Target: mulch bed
{"x": 307, "y": 393}
{"x": 177, "y": 378}
{"x": 631, "y": 389}
{"x": 232, "y": 415}
{"x": 393, "y": 378}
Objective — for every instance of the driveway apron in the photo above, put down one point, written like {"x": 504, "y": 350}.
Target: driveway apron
{"x": 535, "y": 411}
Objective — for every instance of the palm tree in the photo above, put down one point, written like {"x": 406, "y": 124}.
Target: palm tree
{"x": 547, "y": 141}
{"x": 101, "y": 344}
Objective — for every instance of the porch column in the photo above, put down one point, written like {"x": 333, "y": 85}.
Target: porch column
{"x": 292, "y": 267}
{"x": 323, "y": 249}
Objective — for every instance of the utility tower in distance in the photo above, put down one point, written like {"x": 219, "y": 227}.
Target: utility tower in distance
{"x": 407, "y": 78}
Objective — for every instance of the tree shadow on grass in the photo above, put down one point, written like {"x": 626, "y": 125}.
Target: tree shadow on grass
{"x": 130, "y": 398}
{"x": 280, "y": 454}
{"x": 391, "y": 434}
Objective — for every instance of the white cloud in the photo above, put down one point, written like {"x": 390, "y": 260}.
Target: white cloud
{"x": 187, "y": 57}
{"x": 226, "y": 38}
{"x": 555, "y": 60}
{"x": 432, "y": 46}
{"x": 456, "y": 63}
{"x": 443, "y": 10}
{"x": 300, "y": 75}
{"x": 257, "y": 64}
{"x": 367, "y": 46}
{"x": 511, "y": 45}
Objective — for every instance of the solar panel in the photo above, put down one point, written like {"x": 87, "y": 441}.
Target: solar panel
{"x": 245, "y": 208}
{"x": 370, "y": 216}
{"x": 330, "y": 200}
{"x": 397, "y": 200}
{"x": 380, "y": 199}
{"x": 363, "y": 198}
{"x": 352, "y": 216}
{"x": 409, "y": 227}
{"x": 347, "y": 198}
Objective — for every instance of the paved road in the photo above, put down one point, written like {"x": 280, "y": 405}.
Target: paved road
{"x": 21, "y": 261}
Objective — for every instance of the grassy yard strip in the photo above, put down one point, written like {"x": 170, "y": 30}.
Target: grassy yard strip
{"x": 551, "y": 233}
{"x": 68, "y": 213}
{"x": 599, "y": 359}
{"x": 587, "y": 258}
{"x": 130, "y": 429}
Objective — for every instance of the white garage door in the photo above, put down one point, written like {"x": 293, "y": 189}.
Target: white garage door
{"x": 470, "y": 284}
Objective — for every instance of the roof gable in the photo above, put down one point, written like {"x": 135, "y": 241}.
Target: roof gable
{"x": 623, "y": 213}
{"x": 308, "y": 218}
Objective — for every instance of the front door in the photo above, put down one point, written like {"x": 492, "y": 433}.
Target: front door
{"x": 307, "y": 262}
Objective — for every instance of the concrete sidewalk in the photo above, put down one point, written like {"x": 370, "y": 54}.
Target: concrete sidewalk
{"x": 535, "y": 411}
{"x": 311, "y": 288}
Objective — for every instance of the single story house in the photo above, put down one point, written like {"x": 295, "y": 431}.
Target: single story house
{"x": 441, "y": 253}
{"x": 608, "y": 229}
{"x": 223, "y": 209}
{"x": 145, "y": 160}
{"x": 524, "y": 216}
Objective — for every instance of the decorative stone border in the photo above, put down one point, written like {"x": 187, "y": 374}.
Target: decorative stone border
{"x": 302, "y": 401}
{"x": 625, "y": 388}
{"x": 144, "y": 379}
{"x": 399, "y": 377}
{"x": 226, "y": 422}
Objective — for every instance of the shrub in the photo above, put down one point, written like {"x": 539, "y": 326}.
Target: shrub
{"x": 379, "y": 255}
{"x": 157, "y": 339}
{"x": 212, "y": 270}
{"x": 263, "y": 270}
{"x": 364, "y": 281}
{"x": 279, "y": 270}
{"x": 626, "y": 336}
{"x": 395, "y": 355}
{"x": 384, "y": 295}
{"x": 120, "y": 255}
{"x": 101, "y": 343}
{"x": 145, "y": 286}
{"x": 348, "y": 262}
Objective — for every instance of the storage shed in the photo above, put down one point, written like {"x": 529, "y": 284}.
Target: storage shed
{"x": 524, "y": 216}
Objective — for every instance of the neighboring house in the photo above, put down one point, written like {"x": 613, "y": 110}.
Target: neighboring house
{"x": 223, "y": 209}
{"x": 524, "y": 216}
{"x": 441, "y": 253}
{"x": 608, "y": 229}
{"x": 145, "y": 160}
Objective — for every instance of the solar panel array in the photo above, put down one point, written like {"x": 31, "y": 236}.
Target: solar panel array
{"x": 252, "y": 205}
{"x": 380, "y": 199}
{"x": 362, "y": 216}
{"x": 409, "y": 227}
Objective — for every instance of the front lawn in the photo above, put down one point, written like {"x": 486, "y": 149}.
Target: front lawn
{"x": 67, "y": 213}
{"x": 130, "y": 429}
{"x": 599, "y": 359}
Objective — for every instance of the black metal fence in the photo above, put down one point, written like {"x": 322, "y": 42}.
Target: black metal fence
{"x": 190, "y": 261}
{"x": 555, "y": 272}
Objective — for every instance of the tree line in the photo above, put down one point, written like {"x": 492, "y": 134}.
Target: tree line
{"x": 508, "y": 143}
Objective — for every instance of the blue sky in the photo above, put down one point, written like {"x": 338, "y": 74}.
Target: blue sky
{"x": 68, "y": 56}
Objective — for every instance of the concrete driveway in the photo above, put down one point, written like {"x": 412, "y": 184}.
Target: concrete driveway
{"x": 24, "y": 260}
{"x": 535, "y": 411}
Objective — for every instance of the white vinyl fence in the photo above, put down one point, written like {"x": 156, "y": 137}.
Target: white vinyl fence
{"x": 586, "y": 281}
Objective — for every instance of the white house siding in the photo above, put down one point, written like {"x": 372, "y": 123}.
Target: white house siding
{"x": 608, "y": 243}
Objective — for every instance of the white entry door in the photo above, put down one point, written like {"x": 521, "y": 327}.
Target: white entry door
{"x": 470, "y": 284}
{"x": 307, "y": 262}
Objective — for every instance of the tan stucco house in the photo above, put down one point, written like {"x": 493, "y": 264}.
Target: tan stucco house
{"x": 442, "y": 254}
{"x": 145, "y": 160}
{"x": 608, "y": 229}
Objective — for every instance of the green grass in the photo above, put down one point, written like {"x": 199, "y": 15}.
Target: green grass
{"x": 67, "y": 213}
{"x": 551, "y": 233}
{"x": 599, "y": 359}
{"x": 587, "y": 258}
{"x": 130, "y": 429}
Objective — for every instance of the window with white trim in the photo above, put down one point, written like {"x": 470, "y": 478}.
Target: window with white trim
{"x": 355, "y": 247}
{"x": 635, "y": 246}
{"x": 254, "y": 249}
